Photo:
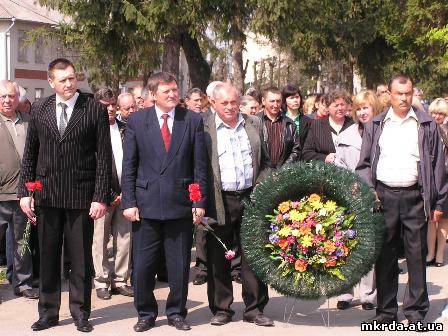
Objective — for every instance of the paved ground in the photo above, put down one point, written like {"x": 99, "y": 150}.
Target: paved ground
{"x": 117, "y": 316}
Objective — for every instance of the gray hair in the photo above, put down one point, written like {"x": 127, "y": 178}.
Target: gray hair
{"x": 122, "y": 95}
{"x": 4, "y": 84}
{"x": 224, "y": 86}
{"x": 211, "y": 88}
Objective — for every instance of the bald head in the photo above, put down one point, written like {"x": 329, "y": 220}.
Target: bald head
{"x": 126, "y": 105}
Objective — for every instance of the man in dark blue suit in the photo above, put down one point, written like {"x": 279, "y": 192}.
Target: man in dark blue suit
{"x": 163, "y": 152}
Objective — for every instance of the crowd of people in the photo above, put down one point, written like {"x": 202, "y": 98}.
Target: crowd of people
{"x": 116, "y": 170}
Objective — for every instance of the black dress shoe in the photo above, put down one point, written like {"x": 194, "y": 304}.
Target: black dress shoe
{"x": 143, "y": 325}
{"x": 179, "y": 323}
{"x": 431, "y": 262}
{"x": 103, "y": 293}
{"x": 381, "y": 319}
{"x": 220, "y": 319}
{"x": 125, "y": 290}
{"x": 83, "y": 325}
{"x": 437, "y": 264}
{"x": 236, "y": 278}
{"x": 343, "y": 305}
{"x": 367, "y": 306}
{"x": 200, "y": 279}
{"x": 259, "y": 320}
{"x": 29, "y": 293}
{"x": 43, "y": 323}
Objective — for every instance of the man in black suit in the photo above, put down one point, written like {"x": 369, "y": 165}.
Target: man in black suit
{"x": 68, "y": 150}
{"x": 163, "y": 154}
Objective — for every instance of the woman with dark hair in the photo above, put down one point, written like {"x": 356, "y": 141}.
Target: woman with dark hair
{"x": 292, "y": 104}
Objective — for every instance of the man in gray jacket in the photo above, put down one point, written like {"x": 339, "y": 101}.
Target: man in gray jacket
{"x": 13, "y": 128}
{"x": 402, "y": 159}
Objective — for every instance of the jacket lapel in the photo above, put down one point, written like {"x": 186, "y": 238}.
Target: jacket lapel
{"x": 211, "y": 143}
{"x": 78, "y": 111}
{"x": 50, "y": 115}
{"x": 155, "y": 137}
{"x": 177, "y": 135}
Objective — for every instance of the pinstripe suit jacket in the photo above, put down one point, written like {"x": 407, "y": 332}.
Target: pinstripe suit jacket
{"x": 75, "y": 169}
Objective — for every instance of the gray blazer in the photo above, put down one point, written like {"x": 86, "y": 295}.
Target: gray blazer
{"x": 260, "y": 162}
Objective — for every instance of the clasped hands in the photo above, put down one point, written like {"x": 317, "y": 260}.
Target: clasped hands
{"x": 133, "y": 215}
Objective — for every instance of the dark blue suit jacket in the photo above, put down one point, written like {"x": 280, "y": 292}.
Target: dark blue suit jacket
{"x": 156, "y": 181}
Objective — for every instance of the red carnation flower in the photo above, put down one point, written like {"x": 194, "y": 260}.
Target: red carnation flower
{"x": 195, "y": 192}
{"x": 31, "y": 186}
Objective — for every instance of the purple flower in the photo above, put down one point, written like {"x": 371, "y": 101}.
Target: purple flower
{"x": 273, "y": 238}
{"x": 274, "y": 227}
{"x": 339, "y": 252}
{"x": 351, "y": 234}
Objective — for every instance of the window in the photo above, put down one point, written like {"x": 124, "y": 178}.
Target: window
{"x": 39, "y": 93}
{"x": 39, "y": 51}
{"x": 22, "y": 51}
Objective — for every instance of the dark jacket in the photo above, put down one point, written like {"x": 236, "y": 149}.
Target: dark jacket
{"x": 304, "y": 126}
{"x": 431, "y": 170}
{"x": 260, "y": 162}
{"x": 115, "y": 189}
{"x": 319, "y": 142}
{"x": 156, "y": 181}
{"x": 75, "y": 169}
{"x": 290, "y": 140}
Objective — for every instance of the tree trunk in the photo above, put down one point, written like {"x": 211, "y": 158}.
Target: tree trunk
{"x": 238, "y": 38}
{"x": 171, "y": 54}
{"x": 198, "y": 68}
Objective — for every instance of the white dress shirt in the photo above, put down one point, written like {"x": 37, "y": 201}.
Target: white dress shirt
{"x": 234, "y": 155}
{"x": 399, "y": 153}
{"x": 170, "y": 119}
{"x": 70, "y": 106}
{"x": 117, "y": 148}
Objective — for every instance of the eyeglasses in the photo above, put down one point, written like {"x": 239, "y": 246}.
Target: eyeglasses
{"x": 10, "y": 96}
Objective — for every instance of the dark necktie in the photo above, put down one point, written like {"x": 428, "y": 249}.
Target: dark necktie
{"x": 166, "y": 135}
{"x": 63, "y": 119}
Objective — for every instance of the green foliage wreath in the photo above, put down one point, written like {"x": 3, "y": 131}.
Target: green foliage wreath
{"x": 294, "y": 182}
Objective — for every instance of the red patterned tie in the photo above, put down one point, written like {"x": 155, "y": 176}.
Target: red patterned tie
{"x": 166, "y": 135}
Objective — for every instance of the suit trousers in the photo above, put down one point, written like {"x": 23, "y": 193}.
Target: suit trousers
{"x": 367, "y": 290}
{"x": 112, "y": 226}
{"x": 219, "y": 280}
{"x": 176, "y": 237}
{"x": 77, "y": 227}
{"x": 12, "y": 216}
{"x": 404, "y": 218}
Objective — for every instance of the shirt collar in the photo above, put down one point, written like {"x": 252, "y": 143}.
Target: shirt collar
{"x": 19, "y": 117}
{"x": 159, "y": 113}
{"x": 220, "y": 123}
{"x": 70, "y": 103}
{"x": 390, "y": 115}
{"x": 279, "y": 117}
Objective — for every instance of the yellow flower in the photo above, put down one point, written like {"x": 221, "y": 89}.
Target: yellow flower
{"x": 330, "y": 205}
{"x": 307, "y": 241}
{"x": 284, "y": 231}
{"x": 295, "y": 232}
{"x": 294, "y": 215}
{"x": 283, "y": 207}
{"x": 316, "y": 205}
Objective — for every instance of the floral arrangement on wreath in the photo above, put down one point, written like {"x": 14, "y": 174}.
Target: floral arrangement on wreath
{"x": 311, "y": 235}
{"x": 311, "y": 230}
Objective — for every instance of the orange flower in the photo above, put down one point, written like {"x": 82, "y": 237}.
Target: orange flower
{"x": 304, "y": 231}
{"x": 300, "y": 265}
{"x": 314, "y": 198}
{"x": 329, "y": 246}
{"x": 283, "y": 207}
{"x": 330, "y": 263}
{"x": 345, "y": 249}
{"x": 283, "y": 244}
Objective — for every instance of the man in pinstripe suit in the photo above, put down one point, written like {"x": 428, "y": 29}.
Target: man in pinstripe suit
{"x": 68, "y": 150}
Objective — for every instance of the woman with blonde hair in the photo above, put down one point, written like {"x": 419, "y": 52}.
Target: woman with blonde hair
{"x": 437, "y": 231}
{"x": 365, "y": 106}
